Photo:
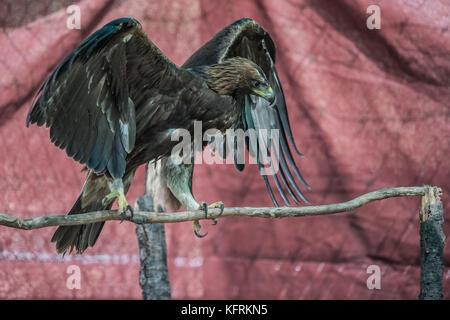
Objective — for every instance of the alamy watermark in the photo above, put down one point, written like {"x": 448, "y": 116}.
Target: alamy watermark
{"x": 374, "y": 20}
{"x": 227, "y": 148}
{"x": 74, "y": 280}
{"x": 374, "y": 280}
{"x": 74, "y": 19}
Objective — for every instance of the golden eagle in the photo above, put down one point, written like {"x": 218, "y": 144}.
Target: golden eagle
{"x": 113, "y": 102}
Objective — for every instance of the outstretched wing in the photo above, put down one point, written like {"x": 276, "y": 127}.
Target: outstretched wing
{"x": 246, "y": 38}
{"x": 87, "y": 102}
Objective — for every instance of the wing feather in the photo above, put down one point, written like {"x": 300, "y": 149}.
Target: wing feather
{"x": 246, "y": 38}
{"x": 87, "y": 101}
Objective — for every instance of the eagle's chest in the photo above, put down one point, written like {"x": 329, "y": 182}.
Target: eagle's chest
{"x": 224, "y": 116}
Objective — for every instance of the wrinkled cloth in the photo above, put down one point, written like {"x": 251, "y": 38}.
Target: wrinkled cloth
{"x": 368, "y": 108}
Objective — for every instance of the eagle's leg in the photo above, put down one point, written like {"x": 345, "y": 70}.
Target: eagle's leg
{"x": 179, "y": 182}
{"x": 117, "y": 192}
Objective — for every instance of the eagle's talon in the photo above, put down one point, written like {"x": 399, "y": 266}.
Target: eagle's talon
{"x": 217, "y": 205}
{"x": 129, "y": 208}
{"x": 222, "y": 208}
{"x": 204, "y": 207}
{"x": 196, "y": 226}
{"x": 123, "y": 216}
{"x": 198, "y": 235}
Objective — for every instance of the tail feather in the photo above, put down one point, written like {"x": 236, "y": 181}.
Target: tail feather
{"x": 83, "y": 236}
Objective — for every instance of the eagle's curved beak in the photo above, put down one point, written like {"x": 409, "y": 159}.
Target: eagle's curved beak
{"x": 266, "y": 93}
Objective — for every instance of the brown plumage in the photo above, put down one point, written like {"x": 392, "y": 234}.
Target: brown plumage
{"x": 234, "y": 76}
{"x": 112, "y": 103}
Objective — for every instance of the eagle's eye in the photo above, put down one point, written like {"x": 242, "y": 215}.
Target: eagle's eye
{"x": 256, "y": 83}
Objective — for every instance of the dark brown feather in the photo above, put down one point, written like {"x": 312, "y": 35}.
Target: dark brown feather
{"x": 247, "y": 39}
{"x": 112, "y": 103}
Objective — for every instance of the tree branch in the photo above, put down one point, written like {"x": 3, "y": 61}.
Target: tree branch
{"x": 163, "y": 217}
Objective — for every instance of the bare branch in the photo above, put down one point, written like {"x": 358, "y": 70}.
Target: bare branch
{"x": 164, "y": 217}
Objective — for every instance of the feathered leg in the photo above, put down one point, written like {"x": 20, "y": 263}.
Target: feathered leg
{"x": 179, "y": 181}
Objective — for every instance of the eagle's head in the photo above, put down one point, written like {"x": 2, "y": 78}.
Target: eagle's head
{"x": 239, "y": 76}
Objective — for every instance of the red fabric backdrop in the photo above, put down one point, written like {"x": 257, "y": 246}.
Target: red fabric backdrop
{"x": 369, "y": 108}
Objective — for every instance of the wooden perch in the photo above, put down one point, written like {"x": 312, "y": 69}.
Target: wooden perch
{"x": 432, "y": 239}
{"x": 164, "y": 217}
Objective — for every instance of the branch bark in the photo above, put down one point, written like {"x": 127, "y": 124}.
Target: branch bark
{"x": 153, "y": 275}
{"x": 141, "y": 217}
{"x": 432, "y": 241}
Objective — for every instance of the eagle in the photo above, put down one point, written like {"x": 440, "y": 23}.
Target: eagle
{"x": 114, "y": 101}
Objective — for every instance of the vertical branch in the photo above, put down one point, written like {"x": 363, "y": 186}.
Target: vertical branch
{"x": 153, "y": 277}
{"x": 432, "y": 241}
